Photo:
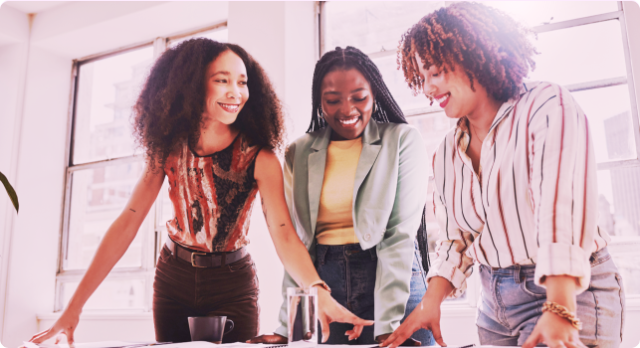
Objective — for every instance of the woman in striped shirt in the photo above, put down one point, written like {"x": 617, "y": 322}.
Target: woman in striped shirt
{"x": 516, "y": 189}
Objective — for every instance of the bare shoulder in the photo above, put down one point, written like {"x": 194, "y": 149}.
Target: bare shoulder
{"x": 267, "y": 164}
{"x": 153, "y": 172}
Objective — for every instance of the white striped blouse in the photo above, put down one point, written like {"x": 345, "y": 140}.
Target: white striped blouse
{"x": 534, "y": 200}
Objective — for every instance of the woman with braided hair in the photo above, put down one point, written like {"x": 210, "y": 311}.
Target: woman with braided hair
{"x": 516, "y": 190}
{"x": 356, "y": 189}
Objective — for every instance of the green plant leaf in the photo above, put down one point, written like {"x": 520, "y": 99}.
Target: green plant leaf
{"x": 10, "y": 191}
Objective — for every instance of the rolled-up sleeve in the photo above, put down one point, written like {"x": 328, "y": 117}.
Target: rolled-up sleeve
{"x": 451, "y": 261}
{"x": 563, "y": 187}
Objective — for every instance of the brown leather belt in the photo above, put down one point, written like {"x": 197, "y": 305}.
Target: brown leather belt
{"x": 201, "y": 259}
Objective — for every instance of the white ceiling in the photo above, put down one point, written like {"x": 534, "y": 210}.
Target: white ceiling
{"x": 33, "y": 6}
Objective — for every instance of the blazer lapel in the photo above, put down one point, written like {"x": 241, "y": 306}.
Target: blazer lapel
{"x": 370, "y": 148}
{"x": 317, "y": 162}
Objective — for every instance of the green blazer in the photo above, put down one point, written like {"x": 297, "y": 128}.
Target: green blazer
{"x": 389, "y": 195}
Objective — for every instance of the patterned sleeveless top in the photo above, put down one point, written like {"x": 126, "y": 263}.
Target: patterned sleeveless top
{"x": 212, "y": 196}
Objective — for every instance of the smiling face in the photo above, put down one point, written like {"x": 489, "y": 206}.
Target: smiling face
{"x": 451, "y": 89}
{"x": 226, "y": 88}
{"x": 347, "y": 103}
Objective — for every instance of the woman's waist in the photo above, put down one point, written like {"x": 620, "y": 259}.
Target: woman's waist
{"x": 206, "y": 243}
{"x": 528, "y": 266}
{"x": 339, "y": 252}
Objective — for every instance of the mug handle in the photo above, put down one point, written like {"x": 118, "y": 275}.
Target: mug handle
{"x": 231, "y": 328}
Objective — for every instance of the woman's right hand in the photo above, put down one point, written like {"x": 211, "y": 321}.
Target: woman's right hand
{"x": 331, "y": 311}
{"x": 424, "y": 316}
{"x": 269, "y": 339}
{"x": 66, "y": 324}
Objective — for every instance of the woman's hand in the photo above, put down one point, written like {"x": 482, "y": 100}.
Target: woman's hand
{"x": 331, "y": 311}
{"x": 66, "y": 324}
{"x": 424, "y": 316}
{"x": 269, "y": 339}
{"x": 551, "y": 329}
{"x": 555, "y": 332}
{"x": 292, "y": 252}
{"x": 410, "y": 342}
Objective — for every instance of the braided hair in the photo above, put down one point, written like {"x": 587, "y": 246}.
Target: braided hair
{"x": 386, "y": 108}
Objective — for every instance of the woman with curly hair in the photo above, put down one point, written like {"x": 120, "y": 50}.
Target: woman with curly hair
{"x": 516, "y": 189}
{"x": 355, "y": 186}
{"x": 210, "y": 121}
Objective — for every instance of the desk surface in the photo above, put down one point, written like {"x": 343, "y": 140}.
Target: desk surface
{"x": 123, "y": 344}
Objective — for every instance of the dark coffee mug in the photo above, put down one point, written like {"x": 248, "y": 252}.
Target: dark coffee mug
{"x": 209, "y": 329}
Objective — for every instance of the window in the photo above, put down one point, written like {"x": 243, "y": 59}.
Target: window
{"x": 582, "y": 45}
{"x": 104, "y": 166}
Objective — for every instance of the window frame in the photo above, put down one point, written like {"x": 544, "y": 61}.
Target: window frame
{"x": 473, "y": 282}
{"x": 151, "y": 244}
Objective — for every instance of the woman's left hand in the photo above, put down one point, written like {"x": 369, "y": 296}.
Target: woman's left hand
{"x": 555, "y": 332}
{"x": 269, "y": 339}
{"x": 551, "y": 329}
{"x": 331, "y": 311}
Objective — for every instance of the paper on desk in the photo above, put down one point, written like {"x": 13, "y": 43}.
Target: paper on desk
{"x": 101, "y": 344}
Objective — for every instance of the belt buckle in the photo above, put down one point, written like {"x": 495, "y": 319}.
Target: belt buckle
{"x": 193, "y": 260}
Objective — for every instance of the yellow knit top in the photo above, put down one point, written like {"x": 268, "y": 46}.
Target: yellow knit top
{"x": 335, "y": 215}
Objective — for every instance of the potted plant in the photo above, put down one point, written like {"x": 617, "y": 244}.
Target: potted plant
{"x": 10, "y": 191}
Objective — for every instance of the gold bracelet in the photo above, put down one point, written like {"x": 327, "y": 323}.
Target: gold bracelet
{"x": 322, "y": 284}
{"x": 562, "y": 312}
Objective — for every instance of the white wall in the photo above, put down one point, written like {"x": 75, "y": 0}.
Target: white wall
{"x": 281, "y": 36}
{"x": 14, "y": 34}
{"x": 40, "y": 171}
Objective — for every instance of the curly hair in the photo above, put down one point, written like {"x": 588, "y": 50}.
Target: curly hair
{"x": 490, "y": 46}
{"x": 170, "y": 107}
{"x": 387, "y": 110}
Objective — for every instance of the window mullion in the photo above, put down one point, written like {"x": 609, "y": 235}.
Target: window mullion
{"x": 618, "y": 164}
{"x": 578, "y": 22}
{"x": 159, "y": 46}
{"x": 633, "y": 100}
{"x": 106, "y": 163}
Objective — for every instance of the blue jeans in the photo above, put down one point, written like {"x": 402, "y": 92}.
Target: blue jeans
{"x": 350, "y": 272}
{"x": 511, "y": 304}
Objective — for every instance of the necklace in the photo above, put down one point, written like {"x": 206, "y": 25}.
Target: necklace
{"x": 475, "y": 133}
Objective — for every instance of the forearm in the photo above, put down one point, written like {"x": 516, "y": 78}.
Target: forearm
{"x": 438, "y": 290}
{"x": 295, "y": 258}
{"x": 114, "y": 244}
{"x": 562, "y": 290}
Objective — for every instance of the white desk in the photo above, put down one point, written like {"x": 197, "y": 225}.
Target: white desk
{"x": 122, "y": 344}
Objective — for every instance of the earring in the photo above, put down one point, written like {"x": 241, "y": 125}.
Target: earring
{"x": 375, "y": 107}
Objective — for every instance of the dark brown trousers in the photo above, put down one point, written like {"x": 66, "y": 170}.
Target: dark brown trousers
{"x": 181, "y": 291}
